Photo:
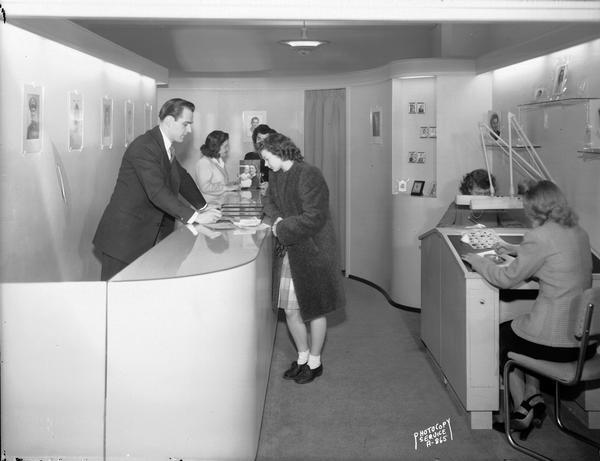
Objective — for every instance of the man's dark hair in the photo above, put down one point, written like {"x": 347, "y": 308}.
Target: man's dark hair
{"x": 261, "y": 129}
{"x": 174, "y": 108}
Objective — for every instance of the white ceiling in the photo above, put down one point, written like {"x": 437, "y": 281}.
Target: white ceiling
{"x": 251, "y": 48}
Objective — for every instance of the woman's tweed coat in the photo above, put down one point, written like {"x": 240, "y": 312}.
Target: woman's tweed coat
{"x": 300, "y": 196}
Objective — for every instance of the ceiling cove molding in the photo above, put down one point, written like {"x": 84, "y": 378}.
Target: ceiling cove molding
{"x": 395, "y": 69}
{"x": 74, "y": 36}
{"x": 560, "y": 39}
{"x": 383, "y": 10}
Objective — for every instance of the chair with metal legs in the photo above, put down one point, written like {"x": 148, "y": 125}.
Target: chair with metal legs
{"x": 586, "y": 329}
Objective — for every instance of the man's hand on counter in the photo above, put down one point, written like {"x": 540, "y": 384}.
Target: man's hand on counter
{"x": 209, "y": 215}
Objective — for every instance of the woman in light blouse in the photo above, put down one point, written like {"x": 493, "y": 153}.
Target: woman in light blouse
{"x": 211, "y": 175}
{"x": 556, "y": 253}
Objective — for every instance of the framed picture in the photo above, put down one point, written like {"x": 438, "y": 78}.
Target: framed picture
{"x": 417, "y": 188}
{"x": 420, "y": 157}
{"x": 375, "y": 121}
{"x": 560, "y": 81}
{"x": 412, "y": 157}
{"x": 106, "y": 122}
{"x": 423, "y": 131}
{"x": 33, "y": 123}
{"x": 147, "y": 116}
{"x": 251, "y": 119}
{"x": 432, "y": 132}
{"x": 129, "y": 114}
{"x": 75, "y": 117}
{"x": 493, "y": 120}
{"x": 420, "y": 107}
{"x": 540, "y": 94}
{"x": 412, "y": 107}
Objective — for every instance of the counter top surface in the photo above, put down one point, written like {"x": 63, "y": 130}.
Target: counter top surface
{"x": 199, "y": 249}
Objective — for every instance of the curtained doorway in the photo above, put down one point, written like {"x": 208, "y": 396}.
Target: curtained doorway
{"x": 325, "y": 147}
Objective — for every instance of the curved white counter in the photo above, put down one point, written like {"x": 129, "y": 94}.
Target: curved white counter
{"x": 188, "y": 331}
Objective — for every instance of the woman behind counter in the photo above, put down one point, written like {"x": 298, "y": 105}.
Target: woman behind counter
{"x": 211, "y": 176}
{"x": 557, "y": 253}
{"x": 297, "y": 202}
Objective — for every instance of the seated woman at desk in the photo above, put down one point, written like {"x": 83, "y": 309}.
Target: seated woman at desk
{"x": 477, "y": 182}
{"x": 556, "y": 252}
{"x": 211, "y": 176}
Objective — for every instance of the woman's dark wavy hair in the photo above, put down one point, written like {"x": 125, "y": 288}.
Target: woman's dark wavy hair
{"x": 213, "y": 143}
{"x": 477, "y": 178}
{"x": 544, "y": 201}
{"x": 281, "y": 146}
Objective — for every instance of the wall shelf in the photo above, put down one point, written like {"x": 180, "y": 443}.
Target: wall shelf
{"x": 554, "y": 102}
{"x": 589, "y": 154}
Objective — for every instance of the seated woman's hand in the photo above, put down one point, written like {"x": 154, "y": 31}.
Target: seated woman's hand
{"x": 505, "y": 248}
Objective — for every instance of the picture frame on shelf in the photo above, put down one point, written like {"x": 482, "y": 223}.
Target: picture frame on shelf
{"x": 417, "y": 188}
{"x": 423, "y": 132}
{"x": 375, "y": 120}
{"x": 33, "y": 118}
{"x": 75, "y": 118}
{"x": 560, "y": 81}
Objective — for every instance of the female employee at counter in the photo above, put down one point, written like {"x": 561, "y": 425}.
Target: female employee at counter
{"x": 297, "y": 202}
{"x": 211, "y": 176}
{"x": 477, "y": 182}
{"x": 556, "y": 252}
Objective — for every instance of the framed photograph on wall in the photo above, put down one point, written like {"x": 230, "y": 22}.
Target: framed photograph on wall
{"x": 560, "y": 81}
{"x": 375, "y": 122}
{"x": 420, "y": 107}
{"x": 421, "y": 157}
{"x": 412, "y": 107}
{"x": 129, "y": 119}
{"x": 106, "y": 123}
{"x": 432, "y": 132}
{"x": 33, "y": 123}
{"x": 412, "y": 157}
{"x": 147, "y": 116}
{"x": 75, "y": 117}
{"x": 423, "y": 132}
{"x": 417, "y": 188}
{"x": 251, "y": 119}
{"x": 493, "y": 121}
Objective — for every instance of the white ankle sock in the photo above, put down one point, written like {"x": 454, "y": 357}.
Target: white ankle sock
{"x": 302, "y": 357}
{"x": 314, "y": 361}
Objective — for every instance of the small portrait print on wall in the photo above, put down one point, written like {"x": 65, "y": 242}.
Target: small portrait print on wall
{"x": 560, "y": 81}
{"x": 412, "y": 107}
{"x": 375, "y": 119}
{"x": 420, "y": 108}
{"x": 75, "y": 116}
{"x": 423, "y": 131}
{"x": 251, "y": 119}
{"x": 32, "y": 119}
{"x": 129, "y": 114}
{"x": 106, "y": 128}
{"x": 493, "y": 120}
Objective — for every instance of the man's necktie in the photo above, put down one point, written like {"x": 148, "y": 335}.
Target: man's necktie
{"x": 172, "y": 152}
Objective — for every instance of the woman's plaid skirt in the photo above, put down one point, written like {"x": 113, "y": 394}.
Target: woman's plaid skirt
{"x": 287, "y": 294}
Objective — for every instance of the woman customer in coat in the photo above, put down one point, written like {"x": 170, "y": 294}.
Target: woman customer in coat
{"x": 297, "y": 205}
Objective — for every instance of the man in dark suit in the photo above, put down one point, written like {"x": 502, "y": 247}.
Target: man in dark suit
{"x": 145, "y": 203}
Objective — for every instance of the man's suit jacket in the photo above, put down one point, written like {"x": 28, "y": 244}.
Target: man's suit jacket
{"x": 145, "y": 201}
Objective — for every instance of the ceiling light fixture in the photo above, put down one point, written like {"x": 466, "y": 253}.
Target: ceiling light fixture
{"x": 303, "y": 45}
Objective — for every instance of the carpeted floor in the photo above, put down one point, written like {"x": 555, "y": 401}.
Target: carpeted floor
{"x": 378, "y": 388}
